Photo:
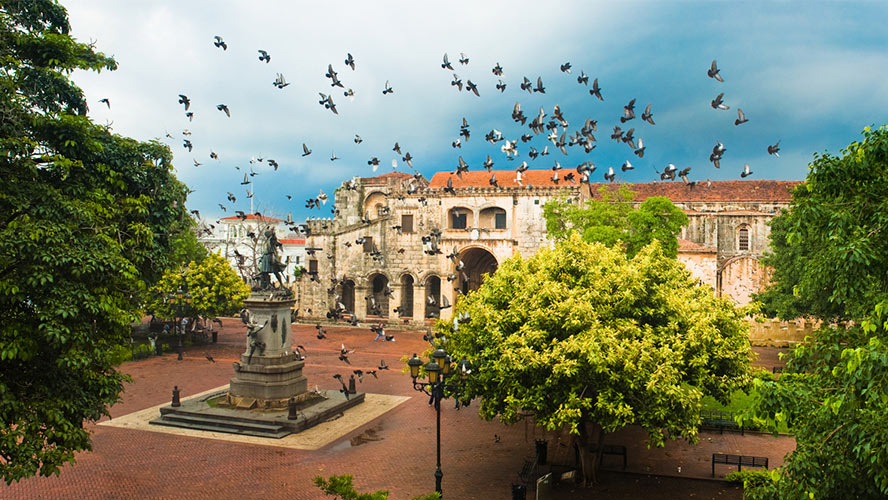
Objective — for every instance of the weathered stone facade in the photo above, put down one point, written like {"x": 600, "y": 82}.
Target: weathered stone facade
{"x": 371, "y": 259}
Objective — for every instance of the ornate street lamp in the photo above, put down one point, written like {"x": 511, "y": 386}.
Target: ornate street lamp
{"x": 437, "y": 369}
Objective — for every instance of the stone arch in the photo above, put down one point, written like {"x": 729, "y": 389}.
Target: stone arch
{"x": 477, "y": 261}
{"x": 432, "y": 296}
{"x": 460, "y": 218}
{"x": 378, "y": 295}
{"x": 407, "y": 283}
{"x": 372, "y": 203}
{"x": 741, "y": 276}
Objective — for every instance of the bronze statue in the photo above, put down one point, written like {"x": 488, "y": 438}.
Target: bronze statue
{"x": 270, "y": 262}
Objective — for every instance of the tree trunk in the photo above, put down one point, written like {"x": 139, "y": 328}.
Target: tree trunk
{"x": 589, "y": 463}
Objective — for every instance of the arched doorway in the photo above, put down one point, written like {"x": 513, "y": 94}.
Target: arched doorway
{"x": 378, "y": 300}
{"x": 406, "y": 310}
{"x": 433, "y": 297}
{"x": 348, "y": 296}
{"x": 476, "y": 263}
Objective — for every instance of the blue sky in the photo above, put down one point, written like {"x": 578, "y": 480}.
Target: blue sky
{"x": 810, "y": 74}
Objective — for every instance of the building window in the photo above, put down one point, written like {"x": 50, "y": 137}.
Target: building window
{"x": 743, "y": 239}
{"x": 313, "y": 265}
{"x": 407, "y": 223}
{"x": 368, "y": 244}
{"x": 458, "y": 220}
{"x": 499, "y": 221}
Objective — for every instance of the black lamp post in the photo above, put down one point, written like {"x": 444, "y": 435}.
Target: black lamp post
{"x": 437, "y": 369}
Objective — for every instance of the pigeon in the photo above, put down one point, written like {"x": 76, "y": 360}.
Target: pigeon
{"x": 717, "y": 103}
{"x": 741, "y": 117}
{"x": 231, "y": 197}
{"x": 197, "y": 163}
{"x": 190, "y": 115}
{"x": 639, "y": 150}
{"x": 358, "y": 139}
{"x": 397, "y": 148}
{"x": 609, "y": 176}
{"x": 305, "y": 150}
{"x": 746, "y": 172}
{"x": 498, "y": 70}
{"x": 668, "y": 172}
{"x": 279, "y": 81}
{"x": 583, "y": 78}
{"x": 471, "y": 87}
{"x": 539, "y": 86}
{"x": 628, "y": 112}
{"x": 527, "y": 85}
{"x": 626, "y": 166}
{"x": 183, "y": 99}
{"x": 774, "y": 150}
{"x": 463, "y": 59}
{"x": 596, "y": 90}
{"x": 647, "y": 116}
{"x": 224, "y": 108}
{"x": 565, "y": 68}
{"x": 350, "y": 61}
{"x": 713, "y": 72}
{"x": 387, "y": 89}
{"x": 209, "y": 358}
{"x": 220, "y": 42}
{"x": 344, "y": 389}
{"x": 187, "y": 144}
{"x": 446, "y": 64}
{"x": 382, "y": 365}
{"x": 263, "y": 56}
{"x": 683, "y": 174}
{"x": 501, "y": 86}
{"x": 456, "y": 82}
{"x": 106, "y": 101}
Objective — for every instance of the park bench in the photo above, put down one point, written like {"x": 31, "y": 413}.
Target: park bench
{"x": 612, "y": 449}
{"x": 738, "y": 460}
{"x": 721, "y": 420}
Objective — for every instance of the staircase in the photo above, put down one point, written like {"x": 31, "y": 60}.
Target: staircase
{"x": 174, "y": 417}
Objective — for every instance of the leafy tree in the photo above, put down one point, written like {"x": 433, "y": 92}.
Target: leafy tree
{"x": 592, "y": 341}
{"x": 208, "y": 289}
{"x": 830, "y": 259}
{"x": 612, "y": 219}
{"x": 830, "y": 248}
{"x": 341, "y": 487}
{"x": 87, "y": 219}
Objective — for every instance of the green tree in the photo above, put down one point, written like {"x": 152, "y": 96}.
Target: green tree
{"x": 87, "y": 220}
{"x": 830, "y": 260}
{"x": 341, "y": 487}
{"x": 592, "y": 341}
{"x": 208, "y": 289}
{"x": 613, "y": 218}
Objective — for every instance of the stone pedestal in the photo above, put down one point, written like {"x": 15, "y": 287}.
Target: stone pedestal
{"x": 269, "y": 372}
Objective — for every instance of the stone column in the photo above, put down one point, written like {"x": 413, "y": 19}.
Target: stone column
{"x": 361, "y": 292}
{"x": 419, "y": 303}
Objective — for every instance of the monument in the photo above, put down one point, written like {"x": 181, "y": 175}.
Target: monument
{"x": 267, "y": 396}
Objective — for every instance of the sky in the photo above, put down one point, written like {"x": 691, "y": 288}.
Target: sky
{"x": 809, "y": 74}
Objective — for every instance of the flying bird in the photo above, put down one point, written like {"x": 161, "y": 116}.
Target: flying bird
{"x": 741, "y": 117}
{"x": 350, "y": 61}
{"x": 628, "y": 112}
{"x": 718, "y": 103}
{"x": 106, "y": 101}
{"x": 388, "y": 88}
{"x": 224, "y": 108}
{"x": 358, "y": 139}
{"x": 746, "y": 172}
{"x": 596, "y": 90}
{"x": 190, "y": 115}
{"x": 446, "y": 64}
{"x": 263, "y": 56}
{"x": 463, "y": 59}
{"x": 774, "y": 150}
{"x": 539, "y": 86}
{"x": 183, "y": 99}
{"x": 220, "y": 42}
{"x": 713, "y": 72}
{"x": 583, "y": 78}
{"x": 501, "y": 86}
{"x": 471, "y": 87}
{"x": 498, "y": 70}
{"x": 305, "y": 150}
{"x": 647, "y": 115}
{"x": 456, "y": 82}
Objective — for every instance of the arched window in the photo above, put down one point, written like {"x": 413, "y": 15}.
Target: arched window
{"x": 493, "y": 218}
{"x": 460, "y": 218}
{"x": 743, "y": 239}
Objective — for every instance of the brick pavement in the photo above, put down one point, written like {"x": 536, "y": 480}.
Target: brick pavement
{"x": 394, "y": 452}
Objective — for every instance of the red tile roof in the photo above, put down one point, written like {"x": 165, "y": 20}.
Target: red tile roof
{"x": 263, "y": 218}
{"x": 677, "y": 191}
{"x": 686, "y": 246}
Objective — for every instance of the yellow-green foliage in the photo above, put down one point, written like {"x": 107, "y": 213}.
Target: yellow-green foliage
{"x": 214, "y": 289}
{"x": 579, "y": 333}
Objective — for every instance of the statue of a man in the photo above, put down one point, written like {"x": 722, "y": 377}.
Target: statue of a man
{"x": 270, "y": 262}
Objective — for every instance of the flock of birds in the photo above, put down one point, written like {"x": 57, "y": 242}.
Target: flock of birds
{"x": 554, "y": 127}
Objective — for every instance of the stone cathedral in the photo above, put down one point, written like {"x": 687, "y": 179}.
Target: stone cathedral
{"x": 392, "y": 250}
